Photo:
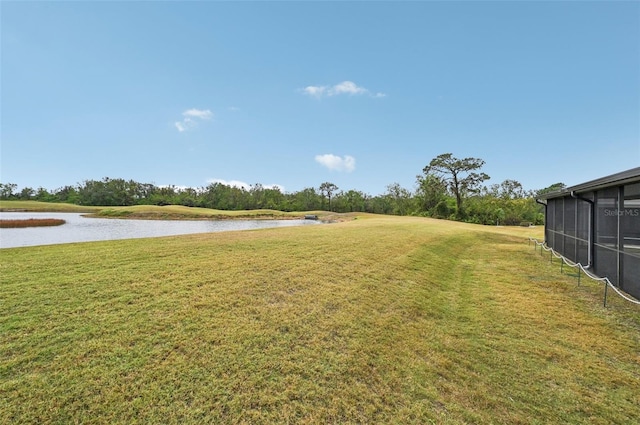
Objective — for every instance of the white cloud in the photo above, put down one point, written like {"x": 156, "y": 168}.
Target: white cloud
{"x": 189, "y": 122}
{"x": 314, "y": 91}
{"x": 346, "y": 87}
{"x": 181, "y": 126}
{"x": 274, "y": 186}
{"x": 233, "y": 183}
{"x": 334, "y": 162}
{"x": 177, "y": 188}
{"x": 203, "y": 114}
{"x": 242, "y": 185}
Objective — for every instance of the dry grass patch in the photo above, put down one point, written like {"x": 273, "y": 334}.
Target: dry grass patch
{"x": 377, "y": 320}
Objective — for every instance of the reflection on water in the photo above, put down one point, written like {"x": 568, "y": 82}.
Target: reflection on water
{"x": 82, "y": 229}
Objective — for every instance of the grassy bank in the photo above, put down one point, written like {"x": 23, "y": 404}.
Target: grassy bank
{"x": 376, "y": 320}
{"x": 179, "y": 212}
{"x": 35, "y": 206}
{"x": 167, "y": 212}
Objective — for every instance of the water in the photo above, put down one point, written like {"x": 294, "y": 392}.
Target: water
{"x": 83, "y": 229}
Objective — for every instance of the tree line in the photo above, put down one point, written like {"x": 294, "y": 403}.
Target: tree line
{"x": 448, "y": 188}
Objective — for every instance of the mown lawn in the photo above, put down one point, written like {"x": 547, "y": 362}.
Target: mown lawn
{"x": 376, "y": 320}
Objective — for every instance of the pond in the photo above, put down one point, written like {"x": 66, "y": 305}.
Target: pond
{"x": 84, "y": 229}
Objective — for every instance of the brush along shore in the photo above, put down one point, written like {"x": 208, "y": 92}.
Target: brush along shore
{"x": 31, "y": 222}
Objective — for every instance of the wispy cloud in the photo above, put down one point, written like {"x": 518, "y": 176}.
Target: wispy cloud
{"x": 334, "y": 162}
{"x": 274, "y": 186}
{"x": 233, "y": 183}
{"x": 203, "y": 114}
{"x": 191, "y": 118}
{"x": 243, "y": 185}
{"x": 346, "y": 87}
{"x": 314, "y": 91}
{"x": 183, "y": 125}
{"x": 177, "y": 188}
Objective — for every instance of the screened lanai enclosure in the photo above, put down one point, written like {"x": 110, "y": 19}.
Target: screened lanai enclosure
{"x": 597, "y": 224}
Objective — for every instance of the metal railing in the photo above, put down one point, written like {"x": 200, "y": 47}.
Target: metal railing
{"x": 581, "y": 268}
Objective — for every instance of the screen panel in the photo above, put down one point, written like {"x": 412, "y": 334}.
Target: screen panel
{"x": 607, "y": 217}
{"x": 631, "y": 273}
{"x": 606, "y": 263}
{"x": 570, "y": 216}
{"x": 583, "y": 252}
{"x": 570, "y": 248}
{"x": 630, "y": 220}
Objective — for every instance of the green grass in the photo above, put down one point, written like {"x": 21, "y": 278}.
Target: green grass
{"x": 376, "y": 320}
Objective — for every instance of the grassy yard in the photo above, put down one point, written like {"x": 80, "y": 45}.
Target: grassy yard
{"x": 374, "y": 320}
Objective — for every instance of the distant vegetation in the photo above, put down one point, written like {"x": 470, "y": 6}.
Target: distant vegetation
{"x": 448, "y": 187}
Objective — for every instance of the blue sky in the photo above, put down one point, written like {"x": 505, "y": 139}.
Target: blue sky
{"x": 360, "y": 94}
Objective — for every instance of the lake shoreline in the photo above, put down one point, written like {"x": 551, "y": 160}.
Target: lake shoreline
{"x": 80, "y": 227}
{"x": 169, "y": 216}
{"x": 170, "y": 212}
